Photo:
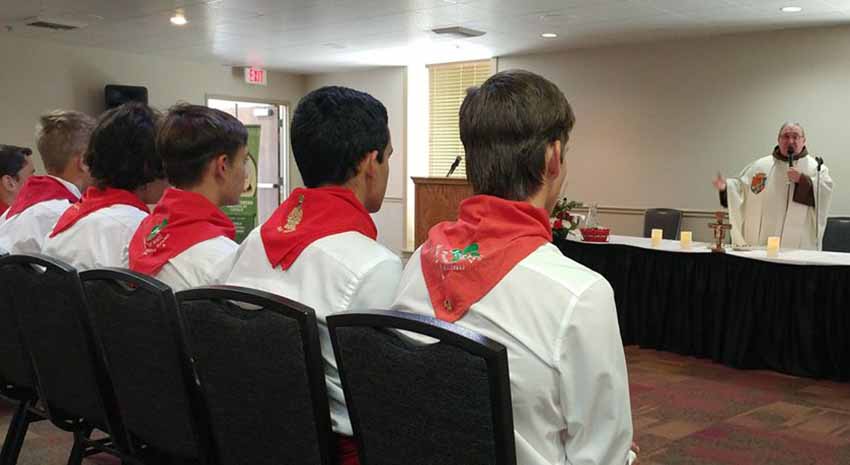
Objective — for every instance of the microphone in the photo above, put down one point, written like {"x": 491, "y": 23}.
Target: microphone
{"x": 820, "y": 162}
{"x": 454, "y": 165}
{"x": 790, "y": 156}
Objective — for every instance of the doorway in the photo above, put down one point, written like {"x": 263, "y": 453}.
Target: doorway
{"x": 268, "y": 183}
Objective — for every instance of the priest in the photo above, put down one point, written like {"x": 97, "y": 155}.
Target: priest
{"x": 786, "y": 194}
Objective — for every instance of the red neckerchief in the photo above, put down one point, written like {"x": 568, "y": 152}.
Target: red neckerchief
{"x": 3, "y": 207}
{"x": 180, "y": 220}
{"x": 311, "y": 214}
{"x": 463, "y": 260}
{"x": 39, "y": 189}
{"x": 93, "y": 200}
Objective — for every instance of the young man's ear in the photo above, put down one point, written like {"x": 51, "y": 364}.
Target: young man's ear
{"x": 221, "y": 164}
{"x": 80, "y": 161}
{"x": 8, "y": 182}
{"x": 370, "y": 163}
{"x": 553, "y": 159}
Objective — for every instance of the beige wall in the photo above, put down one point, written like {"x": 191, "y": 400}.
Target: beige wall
{"x": 657, "y": 121}
{"x": 389, "y": 86}
{"x": 38, "y": 76}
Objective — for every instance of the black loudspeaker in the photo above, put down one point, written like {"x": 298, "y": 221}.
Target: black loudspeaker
{"x": 116, "y": 95}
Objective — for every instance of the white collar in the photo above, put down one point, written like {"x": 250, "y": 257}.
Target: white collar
{"x": 71, "y": 187}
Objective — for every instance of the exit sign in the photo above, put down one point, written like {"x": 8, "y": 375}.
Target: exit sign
{"x": 256, "y": 76}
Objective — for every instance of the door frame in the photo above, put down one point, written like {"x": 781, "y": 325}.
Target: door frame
{"x": 280, "y": 144}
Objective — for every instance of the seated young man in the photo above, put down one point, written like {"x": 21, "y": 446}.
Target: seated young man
{"x": 188, "y": 241}
{"x": 128, "y": 175}
{"x": 15, "y": 168}
{"x": 63, "y": 137}
{"x": 319, "y": 247}
{"x": 495, "y": 271}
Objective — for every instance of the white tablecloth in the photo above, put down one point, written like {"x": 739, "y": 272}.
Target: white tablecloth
{"x": 787, "y": 256}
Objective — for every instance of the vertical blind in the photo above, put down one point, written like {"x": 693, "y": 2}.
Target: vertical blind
{"x": 447, "y": 88}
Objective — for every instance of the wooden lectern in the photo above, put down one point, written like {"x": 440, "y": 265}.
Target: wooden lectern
{"x": 437, "y": 199}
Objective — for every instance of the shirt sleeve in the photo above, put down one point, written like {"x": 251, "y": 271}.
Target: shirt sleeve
{"x": 32, "y": 230}
{"x": 377, "y": 288}
{"x": 223, "y": 264}
{"x": 594, "y": 382}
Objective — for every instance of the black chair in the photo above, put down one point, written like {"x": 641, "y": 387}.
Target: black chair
{"x": 133, "y": 320}
{"x": 259, "y": 371}
{"x": 836, "y": 236}
{"x": 72, "y": 379}
{"x": 17, "y": 377}
{"x": 443, "y": 403}
{"x": 667, "y": 219}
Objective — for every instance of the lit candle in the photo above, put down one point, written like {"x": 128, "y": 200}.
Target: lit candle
{"x": 657, "y": 234}
{"x": 685, "y": 240}
{"x": 772, "y": 246}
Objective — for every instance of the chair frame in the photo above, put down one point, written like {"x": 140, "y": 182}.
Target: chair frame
{"x": 24, "y": 398}
{"x": 668, "y": 211}
{"x": 129, "y": 282}
{"x": 116, "y": 443}
{"x": 835, "y": 219}
{"x": 306, "y": 319}
{"x": 493, "y": 353}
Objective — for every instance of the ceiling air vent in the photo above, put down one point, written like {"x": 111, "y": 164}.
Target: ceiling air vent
{"x": 458, "y": 32}
{"x": 54, "y": 24}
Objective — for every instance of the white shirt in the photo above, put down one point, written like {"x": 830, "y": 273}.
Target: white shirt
{"x": 26, "y": 231}
{"x": 98, "y": 240}
{"x": 337, "y": 273}
{"x": 204, "y": 264}
{"x": 569, "y": 386}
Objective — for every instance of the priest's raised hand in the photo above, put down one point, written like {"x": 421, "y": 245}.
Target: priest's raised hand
{"x": 719, "y": 183}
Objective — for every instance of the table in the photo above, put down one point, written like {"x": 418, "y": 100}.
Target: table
{"x": 789, "y": 314}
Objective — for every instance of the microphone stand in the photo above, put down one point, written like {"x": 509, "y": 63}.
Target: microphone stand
{"x": 817, "y": 206}
{"x": 790, "y": 194}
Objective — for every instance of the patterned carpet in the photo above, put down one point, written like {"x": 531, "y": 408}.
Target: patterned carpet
{"x": 686, "y": 412}
{"x": 693, "y": 412}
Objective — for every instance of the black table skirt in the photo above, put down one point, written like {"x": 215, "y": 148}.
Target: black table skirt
{"x": 740, "y": 312}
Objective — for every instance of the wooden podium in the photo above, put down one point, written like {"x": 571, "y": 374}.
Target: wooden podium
{"x": 437, "y": 199}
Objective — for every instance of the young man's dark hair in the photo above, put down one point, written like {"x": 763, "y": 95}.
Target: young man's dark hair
{"x": 191, "y": 136}
{"x": 121, "y": 152}
{"x": 505, "y": 126}
{"x": 332, "y": 130}
{"x": 13, "y": 159}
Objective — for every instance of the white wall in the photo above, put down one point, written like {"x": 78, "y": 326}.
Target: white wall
{"x": 389, "y": 86}
{"x": 38, "y": 76}
{"x": 657, "y": 121}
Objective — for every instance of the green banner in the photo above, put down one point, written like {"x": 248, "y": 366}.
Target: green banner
{"x": 244, "y": 214}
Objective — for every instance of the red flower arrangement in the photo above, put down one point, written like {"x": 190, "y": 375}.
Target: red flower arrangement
{"x": 563, "y": 221}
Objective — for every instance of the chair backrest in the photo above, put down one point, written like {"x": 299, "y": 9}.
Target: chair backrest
{"x": 132, "y": 320}
{"x": 73, "y": 381}
{"x": 16, "y": 372}
{"x": 259, "y": 372}
{"x": 668, "y": 219}
{"x": 836, "y": 237}
{"x": 445, "y": 402}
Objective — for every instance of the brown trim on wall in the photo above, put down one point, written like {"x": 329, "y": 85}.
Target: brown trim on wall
{"x": 613, "y": 210}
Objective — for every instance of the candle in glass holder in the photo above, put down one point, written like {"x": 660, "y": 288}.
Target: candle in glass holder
{"x": 772, "y": 246}
{"x": 656, "y": 236}
{"x": 685, "y": 240}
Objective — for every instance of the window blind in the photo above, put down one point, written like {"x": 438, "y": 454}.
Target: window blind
{"x": 447, "y": 89}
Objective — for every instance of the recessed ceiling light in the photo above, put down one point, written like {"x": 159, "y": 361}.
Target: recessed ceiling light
{"x": 548, "y": 35}
{"x": 179, "y": 19}
{"x": 791, "y": 9}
